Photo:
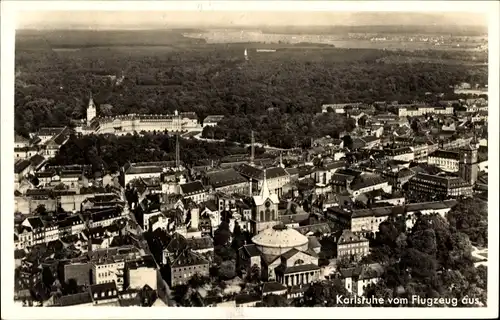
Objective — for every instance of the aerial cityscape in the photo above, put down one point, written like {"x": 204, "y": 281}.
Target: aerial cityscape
{"x": 232, "y": 166}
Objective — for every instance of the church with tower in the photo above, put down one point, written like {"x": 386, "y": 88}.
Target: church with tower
{"x": 264, "y": 209}
{"x": 281, "y": 253}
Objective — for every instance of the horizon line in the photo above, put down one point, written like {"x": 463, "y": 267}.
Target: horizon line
{"x": 96, "y": 28}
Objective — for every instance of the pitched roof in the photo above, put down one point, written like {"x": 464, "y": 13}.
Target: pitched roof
{"x": 293, "y": 218}
{"x": 210, "y": 205}
{"x": 187, "y": 258}
{"x": 109, "y": 289}
{"x": 20, "y": 139}
{"x": 191, "y": 188}
{"x": 21, "y": 165}
{"x": 74, "y": 299}
{"x": 37, "y": 160}
{"x": 50, "y": 131}
{"x": 225, "y": 178}
{"x": 251, "y": 249}
{"x": 366, "y": 180}
{"x": 148, "y": 167}
{"x": 106, "y": 214}
{"x": 298, "y": 268}
{"x": 177, "y": 243}
{"x": 349, "y": 237}
{"x": 272, "y": 286}
{"x": 36, "y": 222}
{"x": 290, "y": 253}
{"x": 446, "y": 154}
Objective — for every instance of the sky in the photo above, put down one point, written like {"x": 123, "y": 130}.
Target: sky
{"x": 172, "y": 19}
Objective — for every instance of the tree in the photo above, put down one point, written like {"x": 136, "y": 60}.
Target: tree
{"x": 238, "y": 237}
{"x": 324, "y": 294}
{"x": 380, "y": 290}
{"x": 424, "y": 241}
{"x": 470, "y": 216}
{"x": 222, "y": 234}
{"x": 274, "y": 301}
{"x": 71, "y": 287}
{"x": 47, "y": 278}
{"x": 254, "y": 274}
{"x": 345, "y": 262}
{"x": 420, "y": 265}
{"x": 227, "y": 270}
{"x": 60, "y": 186}
{"x": 347, "y": 142}
{"x": 41, "y": 210}
{"x": 198, "y": 281}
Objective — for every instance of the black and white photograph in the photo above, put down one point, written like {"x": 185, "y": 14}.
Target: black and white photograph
{"x": 235, "y": 156}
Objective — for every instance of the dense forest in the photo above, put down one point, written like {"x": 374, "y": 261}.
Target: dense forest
{"x": 52, "y": 86}
{"x": 283, "y": 130}
{"x": 109, "y": 152}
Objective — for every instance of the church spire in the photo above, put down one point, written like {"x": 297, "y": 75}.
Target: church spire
{"x": 91, "y": 109}
{"x": 264, "y": 193}
{"x": 91, "y": 100}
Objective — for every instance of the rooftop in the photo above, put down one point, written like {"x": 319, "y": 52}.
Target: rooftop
{"x": 279, "y": 236}
{"x": 191, "y": 188}
{"x": 225, "y": 178}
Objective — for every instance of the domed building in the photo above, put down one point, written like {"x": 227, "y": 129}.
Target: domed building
{"x": 282, "y": 254}
{"x": 280, "y": 239}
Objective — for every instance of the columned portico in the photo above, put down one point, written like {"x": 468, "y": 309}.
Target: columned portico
{"x": 297, "y": 278}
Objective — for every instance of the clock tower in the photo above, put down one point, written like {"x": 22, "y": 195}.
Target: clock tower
{"x": 468, "y": 167}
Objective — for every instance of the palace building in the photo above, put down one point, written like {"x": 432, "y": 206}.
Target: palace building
{"x": 130, "y": 123}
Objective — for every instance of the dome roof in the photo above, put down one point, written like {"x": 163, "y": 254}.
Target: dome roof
{"x": 280, "y": 236}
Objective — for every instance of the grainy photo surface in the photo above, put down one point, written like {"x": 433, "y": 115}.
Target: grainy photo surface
{"x": 250, "y": 159}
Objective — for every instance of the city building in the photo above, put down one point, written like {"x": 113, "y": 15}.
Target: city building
{"x": 130, "y": 123}
{"x": 227, "y": 181}
{"x": 109, "y": 270}
{"x": 357, "y": 279}
{"x": 352, "y": 245}
{"x": 445, "y": 160}
{"x": 440, "y": 185}
{"x": 212, "y": 121}
{"x": 276, "y": 178}
{"x": 417, "y": 111}
{"x": 145, "y": 170}
{"x": 194, "y": 191}
{"x": 184, "y": 265}
{"x": 401, "y": 154}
